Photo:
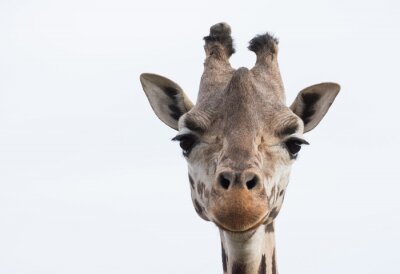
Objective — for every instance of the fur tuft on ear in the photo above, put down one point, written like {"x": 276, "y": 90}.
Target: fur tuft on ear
{"x": 167, "y": 99}
{"x": 312, "y": 103}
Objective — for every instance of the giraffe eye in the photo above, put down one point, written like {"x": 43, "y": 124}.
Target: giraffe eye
{"x": 186, "y": 142}
{"x": 293, "y": 146}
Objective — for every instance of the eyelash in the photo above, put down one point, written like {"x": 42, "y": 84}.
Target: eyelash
{"x": 186, "y": 142}
{"x": 293, "y": 146}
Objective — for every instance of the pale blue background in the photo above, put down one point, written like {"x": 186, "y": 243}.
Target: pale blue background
{"x": 90, "y": 182}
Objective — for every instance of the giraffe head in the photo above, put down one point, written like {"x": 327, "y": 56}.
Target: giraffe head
{"x": 240, "y": 139}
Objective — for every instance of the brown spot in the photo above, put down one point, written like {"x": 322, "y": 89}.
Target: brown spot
{"x": 224, "y": 259}
{"x": 200, "y": 188}
{"x": 281, "y": 193}
{"x": 262, "y": 269}
{"x": 198, "y": 207}
{"x": 274, "y": 212}
{"x": 191, "y": 181}
{"x": 270, "y": 228}
{"x": 273, "y": 192}
{"x": 273, "y": 263}
{"x": 207, "y": 193}
{"x": 238, "y": 268}
{"x": 200, "y": 210}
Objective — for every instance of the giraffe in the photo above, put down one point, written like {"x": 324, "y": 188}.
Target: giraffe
{"x": 240, "y": 140}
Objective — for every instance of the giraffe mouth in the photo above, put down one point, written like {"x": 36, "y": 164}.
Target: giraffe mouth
{"x": 242, "y": 228}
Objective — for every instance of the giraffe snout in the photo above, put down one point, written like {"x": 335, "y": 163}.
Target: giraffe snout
{"x": 239, "y": 200}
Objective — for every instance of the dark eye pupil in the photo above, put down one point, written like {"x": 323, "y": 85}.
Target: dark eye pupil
{"x": 186, "y": 144}
{"x": 293, "y": 147}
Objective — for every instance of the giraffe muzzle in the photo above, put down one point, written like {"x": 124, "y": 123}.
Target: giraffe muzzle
{"x": 238, "y": 201}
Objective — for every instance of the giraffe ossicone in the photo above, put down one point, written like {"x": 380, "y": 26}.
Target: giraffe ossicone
{"x": 240, "y": 140}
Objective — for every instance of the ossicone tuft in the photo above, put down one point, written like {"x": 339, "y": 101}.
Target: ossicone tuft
{"x": 264, "y": 43}
{"x": 221, "y": 33}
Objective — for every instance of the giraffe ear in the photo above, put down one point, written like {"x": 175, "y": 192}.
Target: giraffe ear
{"x": 167, "y": 99}
{"x": 312, "y": 103}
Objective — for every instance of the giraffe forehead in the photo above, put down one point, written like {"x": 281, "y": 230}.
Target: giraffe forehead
{"x": 244, "y": 104}
{"x": 235, "y": 119}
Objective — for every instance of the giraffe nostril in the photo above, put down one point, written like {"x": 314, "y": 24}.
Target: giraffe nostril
{"x": 224, "y": 182}
{"x": 252, "y": 183}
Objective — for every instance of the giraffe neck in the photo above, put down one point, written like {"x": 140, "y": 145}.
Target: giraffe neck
{"x": 250, "y": 252}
